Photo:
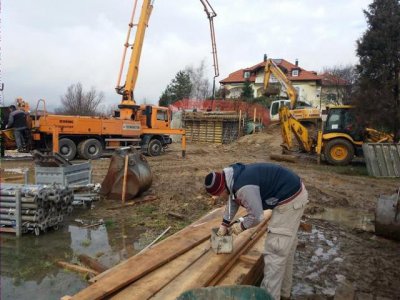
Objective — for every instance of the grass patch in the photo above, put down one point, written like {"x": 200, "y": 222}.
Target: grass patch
{"x": 355, "y": 169}
{"x": 85, "y": 243}
{"x": 109, "y": 223}
{"x": 146, "y": 209}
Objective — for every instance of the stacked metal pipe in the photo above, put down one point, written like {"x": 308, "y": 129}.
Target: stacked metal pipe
{"x": 41, "y": 206}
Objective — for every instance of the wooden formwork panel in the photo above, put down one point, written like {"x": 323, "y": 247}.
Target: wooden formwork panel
{"x": 212, "y": 131}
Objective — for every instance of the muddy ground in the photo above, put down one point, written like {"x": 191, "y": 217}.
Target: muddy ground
{"x": 341, "y": 248}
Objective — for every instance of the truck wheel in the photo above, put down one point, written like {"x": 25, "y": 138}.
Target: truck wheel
{"x": 154, "y": 148}
{"x": 91, "y": 149}
{"x": 80, "y": 148}
{"x": 67, "y": 148}
{"x": 339, "y": 152}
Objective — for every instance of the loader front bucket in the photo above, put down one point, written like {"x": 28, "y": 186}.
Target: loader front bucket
{"x": 138, "y": 176}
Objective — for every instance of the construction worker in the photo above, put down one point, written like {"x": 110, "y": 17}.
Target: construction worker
{"x": 258, "y": 187}
{"x": 17, "y": 121}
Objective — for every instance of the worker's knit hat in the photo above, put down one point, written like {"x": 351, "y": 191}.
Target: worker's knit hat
{"x": 214, "y": 183}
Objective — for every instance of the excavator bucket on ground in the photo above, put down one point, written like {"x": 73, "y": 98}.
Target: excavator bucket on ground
{"x": 138, "y": 175}
{"x": 387, "y": 216}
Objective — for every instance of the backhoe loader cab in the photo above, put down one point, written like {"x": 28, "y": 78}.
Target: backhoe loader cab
{"x": 341, "y": 119}
{"x": 342, "y": 136}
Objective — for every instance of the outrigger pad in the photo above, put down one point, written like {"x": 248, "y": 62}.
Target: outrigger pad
{"x": 138, "y": 177}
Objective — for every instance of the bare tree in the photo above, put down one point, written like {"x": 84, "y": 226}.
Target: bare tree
{"x": 107, "y": 111}
{"x": 338, "y": 84}
{"x": 201, "y": 87}
{"x": 78, "y": 102}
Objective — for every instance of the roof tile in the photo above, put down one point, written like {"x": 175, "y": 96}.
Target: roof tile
{"x": 287, "y": 67}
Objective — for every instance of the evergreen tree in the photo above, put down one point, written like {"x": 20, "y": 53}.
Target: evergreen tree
{"x": 179, "y": 88}
{"x": 378, "y": 87}
{"x": 247, "y": 91}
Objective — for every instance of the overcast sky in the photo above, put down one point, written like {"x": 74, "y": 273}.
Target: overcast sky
{"x": 47, "y": 45}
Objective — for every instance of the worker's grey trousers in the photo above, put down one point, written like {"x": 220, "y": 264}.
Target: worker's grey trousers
{"x": 280, "y": 246}
{"x": 19, "y": 137}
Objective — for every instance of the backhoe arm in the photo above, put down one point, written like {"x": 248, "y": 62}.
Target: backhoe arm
{"x": 272, "y": 68}
{"x": 288, "y": 125}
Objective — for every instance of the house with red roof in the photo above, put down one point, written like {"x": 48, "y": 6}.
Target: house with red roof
{"x": 307, "y": 83}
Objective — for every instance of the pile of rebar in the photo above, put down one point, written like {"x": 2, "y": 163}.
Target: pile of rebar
{"x": 34, "y": 208}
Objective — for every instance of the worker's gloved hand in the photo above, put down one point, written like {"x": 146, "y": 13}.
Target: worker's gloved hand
{"x": 237, "y": 228}
{"x": 223, "y": 230}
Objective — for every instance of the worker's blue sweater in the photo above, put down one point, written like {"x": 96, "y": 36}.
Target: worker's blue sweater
{"x": 276, "y": 182}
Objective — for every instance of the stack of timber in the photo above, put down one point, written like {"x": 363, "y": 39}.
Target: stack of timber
{"x": 213, "y": 127}
{"x": 35, "y": 208}
{"x": 182, "y": 262}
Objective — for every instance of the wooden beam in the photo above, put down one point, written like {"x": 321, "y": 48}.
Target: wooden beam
{"x": 92, "y": 263}
{"x": 150, "y": 285}
{"x": 136, "y": 267}
{"x": 288, "y": 158}
{"x": 260, "y": 231}
{"x": 206, "y": 269}
{"x": 76, "y": 268}
{"x": 246, "y": 273}
{"x": 248, "y": 259}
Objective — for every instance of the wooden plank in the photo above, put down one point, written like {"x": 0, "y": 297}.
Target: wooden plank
{"x": 149, "y": 285}
{"x": 197, "y": 274}
{"x": 76, "y": 268}
{"x": 92, "y": 263}
{"x": 248, "y": 259}
{"x": 205, "y": 270}
{"x": 256, "y": 235}
{"x": 142, "y": 264}
{"x": 208, "y": 217}
{"x": 245, "y": 272}
{"x": 288, "y": 158}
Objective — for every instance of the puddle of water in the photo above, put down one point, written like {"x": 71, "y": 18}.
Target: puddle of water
{"x": 348, "y": 216}
{"x": 28, "y": 264}
{"x": 314, "y": 267}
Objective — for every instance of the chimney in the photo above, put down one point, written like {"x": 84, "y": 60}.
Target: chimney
{"x": 297, "y": 62}
{"x": 265, "y": 57}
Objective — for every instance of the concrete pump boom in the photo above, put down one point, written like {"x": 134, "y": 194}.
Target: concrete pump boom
{"x": 210, "y": 15}
{"x": 128, "y": 102}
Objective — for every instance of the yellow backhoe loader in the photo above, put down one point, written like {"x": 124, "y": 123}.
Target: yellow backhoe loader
{"x": 340, "y": 139}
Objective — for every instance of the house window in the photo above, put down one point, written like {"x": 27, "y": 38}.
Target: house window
{"x": 295, "y": 72}
{"x": 246, "y": 74}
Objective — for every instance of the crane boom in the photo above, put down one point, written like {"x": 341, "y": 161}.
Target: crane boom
{"x": 132, "y": 74}
{"x": 128, "y": 103}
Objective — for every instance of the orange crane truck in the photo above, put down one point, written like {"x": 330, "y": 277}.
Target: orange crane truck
{"x": 145, "y": 126}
